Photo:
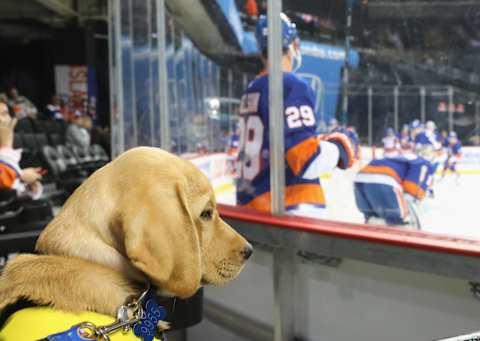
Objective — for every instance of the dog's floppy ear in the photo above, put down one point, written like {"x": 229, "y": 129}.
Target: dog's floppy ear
{"x": 161, "y": 238}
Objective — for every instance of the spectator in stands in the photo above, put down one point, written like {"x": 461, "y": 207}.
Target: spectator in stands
{"x": 77, "y": 133}
{"x": 53, "y": 111}
{"x": 24, "y": 181}
{"x": 3, "y": 98}
{"x": 101, "y": 136}
{"x": 87, "y": 122}
{"x": 262, "y": 7}
{"x": 251, "y": 9}
{"x": 22, "y": 106}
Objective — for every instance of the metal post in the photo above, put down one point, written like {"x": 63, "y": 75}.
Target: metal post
{"x": 150, "y": 90}
{"x": 276, "y": 115}
{"x": 111, "y": 69}
{"x": 116, "y": 86}
{"x": 450, "y": 108}
{"x": 244, "y": 81}
{"x": 423, "y": 107}
{"x": 348, "y": 14}
{"x": 370, "y": 115}
{"x": 395, "y": 108}
{"x": 477, "y": 119}
{"x": 162, "y": 77}
{"x": 230, "y": 96}
{"x": 132, "y": 72}
{"x": 283, "y": 286}
{"x": 282, "y": 270}
{"x": 175, "y": 83}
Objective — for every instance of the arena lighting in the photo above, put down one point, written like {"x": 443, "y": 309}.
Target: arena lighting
{"x": 214, "y": 103}
{"x": 213, "y": 107}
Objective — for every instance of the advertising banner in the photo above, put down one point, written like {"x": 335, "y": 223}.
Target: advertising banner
{"x": 76, "y": 85}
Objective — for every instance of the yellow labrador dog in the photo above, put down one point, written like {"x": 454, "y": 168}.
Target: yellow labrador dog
{"x": 147, "y": 216}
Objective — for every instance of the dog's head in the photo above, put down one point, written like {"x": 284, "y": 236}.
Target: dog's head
{"x": 159, "y": 213}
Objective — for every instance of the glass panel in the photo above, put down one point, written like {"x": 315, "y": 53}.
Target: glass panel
{"x": 154, "y": 73}
{"x": 400, "y": 70}
{"x": 142, "y": 69}
{"x": 128, "y": 78}
{"x": 115, "y": 95}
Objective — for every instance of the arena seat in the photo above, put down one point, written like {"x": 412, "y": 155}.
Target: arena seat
{"x": 24, "y": 125}
{"x": 7, "y": 199}
{"x": 41, "y": 140}
{"x": 59, "y": 127}
{"x": 29, "y": 141}
{"x": 17, "y": 140}
{"x": 99, "y": 155}
{"x": 30, "y": 155}
{"x": 63, "y": 168}
{"x": 18, "y": 214}
{"x": 54, "y": 160}
{"x": 44, "y": 126}
{"x": 85, "y": 158}
{"x": 56, "y": 139}
{"x": 35, "y": 211}
{"x": 39, "y": 126}
{"x": 71, "y": 161}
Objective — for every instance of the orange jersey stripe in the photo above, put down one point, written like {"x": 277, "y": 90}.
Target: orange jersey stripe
{"x": 7, "y": 176}
{"x": 381, "y": 170}
{"x": 413, "y": 189}
{"x": 301, "y": 153}
{"x": 294, "y": 195}
{"x": 402, "y": 203}
{"x": 346, "y": 143}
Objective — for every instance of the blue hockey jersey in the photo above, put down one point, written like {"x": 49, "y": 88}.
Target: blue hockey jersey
{"x": 455, "y": 149}
{"x": 413, "y": 175}
{"x": 301, "y": 145}
{"x": 428, "y": 138}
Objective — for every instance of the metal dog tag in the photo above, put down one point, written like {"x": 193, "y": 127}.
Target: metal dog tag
{"x": 122, "y": 314}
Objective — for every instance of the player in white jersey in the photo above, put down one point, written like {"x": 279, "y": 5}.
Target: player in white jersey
{"x": 391, "y": 144}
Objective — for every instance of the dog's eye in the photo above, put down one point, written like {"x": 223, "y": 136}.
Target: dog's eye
{"x": 206, "y": 214}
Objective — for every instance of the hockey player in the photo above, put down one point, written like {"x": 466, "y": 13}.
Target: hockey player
{"x": 383, "y": 187}
{"x": 428, "y": 136}
{"x": 233, "y": 141}
{"x": 416, "y": 129}
{"x": 391, "y": 144}
{"x": 306, "y": 154}
{"x": 405, "y": 140}
{"x": 454, "y": 152}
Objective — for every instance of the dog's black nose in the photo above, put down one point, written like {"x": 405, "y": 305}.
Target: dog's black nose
{"x": 247, "y": 251}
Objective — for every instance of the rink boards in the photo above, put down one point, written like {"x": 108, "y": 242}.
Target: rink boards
{"x": 396, "y": 285}
{"x": 355, "y": 283}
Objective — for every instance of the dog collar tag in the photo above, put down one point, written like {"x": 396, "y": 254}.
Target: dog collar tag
{"x": 146, "y": 328}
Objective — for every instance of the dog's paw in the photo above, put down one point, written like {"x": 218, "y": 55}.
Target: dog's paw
{"x": 163, "y": 326}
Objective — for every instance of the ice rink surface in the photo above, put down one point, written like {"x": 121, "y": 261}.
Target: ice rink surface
{"x": 454, "y": 210}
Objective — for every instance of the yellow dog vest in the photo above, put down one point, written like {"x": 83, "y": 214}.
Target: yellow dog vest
{"x": 36, "y": 323}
